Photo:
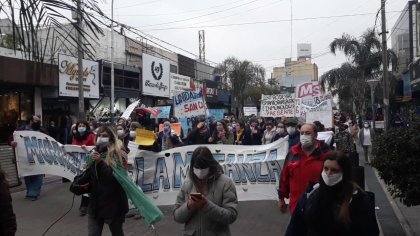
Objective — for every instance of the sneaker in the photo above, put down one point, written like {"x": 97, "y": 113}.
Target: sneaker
{"x": 83, "y": 211}
{"x": 33, "y": 198}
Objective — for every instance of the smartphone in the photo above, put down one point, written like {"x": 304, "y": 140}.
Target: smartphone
{"x": 196, "y": 195}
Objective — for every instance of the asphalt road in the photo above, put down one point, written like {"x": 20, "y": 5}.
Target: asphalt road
{"x": 33, "y": 218}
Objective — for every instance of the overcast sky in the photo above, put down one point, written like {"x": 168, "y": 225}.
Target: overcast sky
{"x": 265, "y": 43}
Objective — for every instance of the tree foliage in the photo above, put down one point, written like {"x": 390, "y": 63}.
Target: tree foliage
{"x": 364, "y": 62}
{"x": 30, "y": 17}
{"x": 396, "y": 157}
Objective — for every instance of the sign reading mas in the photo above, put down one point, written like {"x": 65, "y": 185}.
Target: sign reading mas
{"x": 68, "y": 77}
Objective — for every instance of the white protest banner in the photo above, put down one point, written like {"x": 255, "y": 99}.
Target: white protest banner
{"x": 325, "y": 117}
{"x": 254, "y": 169}
{"x": 278, "y": 105}
{"x": 178, "y": 84}
{"x": 38, "y": 153}
{"x": 249, "y": 111}
{"x": 155, "y": 76}
{"x": 68, "y": 82}
{"x": 189, "y": 104}
{"x": 126, "y": 114}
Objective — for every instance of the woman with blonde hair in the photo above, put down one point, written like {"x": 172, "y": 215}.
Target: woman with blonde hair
{"x": 109, "y": 202}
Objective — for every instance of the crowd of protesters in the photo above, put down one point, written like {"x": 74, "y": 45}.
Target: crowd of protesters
{"x": 308, "y": 162}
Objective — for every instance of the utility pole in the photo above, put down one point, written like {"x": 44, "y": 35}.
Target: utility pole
{"x": 385, "y": 68}
{"x": 112, "y": 62}
{"x": 80, "y": 62}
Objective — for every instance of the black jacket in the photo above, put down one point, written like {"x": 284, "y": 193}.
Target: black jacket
{"x": 108, "y": 199}
{"x": 317, "y": 214}
{"x": 198, "y": 137}
{"x": 7, "y": 216}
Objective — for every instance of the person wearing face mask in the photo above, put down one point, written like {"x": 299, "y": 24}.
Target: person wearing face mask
{"x": 366, "y": 136}
{"x": 280, "y": 131}
{"x": 33, "y": 183}
{"x": 269, "y": 133}
{"x": 122, "y": 135}
{"x": 83, "y": 137}
{"x": 201, "y": 134}
{"x": 168, "y": 138}
{"x": 303, "y": 164}
{"x": 336, "y": 205}
{"x": 109, "y": 202}
{"x": 256, "y": 133}
{"x": 291, "y": 129}
{"x": 207, "y": 203}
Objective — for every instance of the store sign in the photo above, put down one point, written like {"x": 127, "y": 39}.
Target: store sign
{"x": 155, "y": 76}
{"x": 68, "y": 81}
{"x": 179, "y": 84}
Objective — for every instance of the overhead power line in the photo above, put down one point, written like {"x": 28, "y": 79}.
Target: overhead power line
{"x": 183, "y": 12}
{"x": 201, "y": 16}
{"x": 265, "y": 22}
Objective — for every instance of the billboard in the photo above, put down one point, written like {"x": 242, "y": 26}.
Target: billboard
{"x": 68, "y": 73}
{"x": 155, "y": 76}
{"x": 304, "y": 50}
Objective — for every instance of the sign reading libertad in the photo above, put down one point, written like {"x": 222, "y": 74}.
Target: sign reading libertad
{"x": 68, "y": 77}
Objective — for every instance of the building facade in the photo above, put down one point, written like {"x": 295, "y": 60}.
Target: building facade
{"x": 295, "y": 72}
{"x": 404, "y": 42}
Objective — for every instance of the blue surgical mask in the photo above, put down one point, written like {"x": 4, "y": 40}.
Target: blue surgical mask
{"x": 81, "y": 130}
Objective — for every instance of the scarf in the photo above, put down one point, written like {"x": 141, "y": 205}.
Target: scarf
{"x": 239, "y": 134}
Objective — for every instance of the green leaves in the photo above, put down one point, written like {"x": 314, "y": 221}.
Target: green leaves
{"x": 397, "y": 159}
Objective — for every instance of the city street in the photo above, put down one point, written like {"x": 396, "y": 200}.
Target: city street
{"x": 255, "y": 217}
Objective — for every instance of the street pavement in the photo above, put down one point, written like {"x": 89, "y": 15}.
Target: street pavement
{"x": 255, "y": 217}
{"x": 34, "y": 217}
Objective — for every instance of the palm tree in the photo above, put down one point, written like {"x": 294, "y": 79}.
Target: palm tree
{"x": 241, "y": 77}
{"x": 31, "y": 17}
{"x": 364, "y": 62}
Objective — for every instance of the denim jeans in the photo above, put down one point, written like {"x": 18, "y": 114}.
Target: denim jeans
{"x": 33, "y": 185}
{"x": 96, "y": 225}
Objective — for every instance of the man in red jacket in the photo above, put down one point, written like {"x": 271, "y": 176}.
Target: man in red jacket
{"x": 303, "y": 165}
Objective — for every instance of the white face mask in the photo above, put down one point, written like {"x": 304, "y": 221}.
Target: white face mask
{"x": 120, "y": 133}
{"x": 132, "y": 134}
{"x": 102, "y": 140}
{"x": 332, "y": 179}
{"x": 201, "y": 173}
{"x": 291, "y": 130}
{"x": 280, "y": 130}
{"x": 81, "y": 129}
{"x": 306, "y": 140}
{"x": 366, "y": 126}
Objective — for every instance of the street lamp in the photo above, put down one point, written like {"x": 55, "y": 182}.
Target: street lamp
{"x": 372, "y": 84}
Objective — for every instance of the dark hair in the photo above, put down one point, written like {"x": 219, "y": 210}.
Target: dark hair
{"x": 202, "y": 158}
{"x": 242, "y": 125}
{"x": 348, "y": 185}
{"x": 78, "y": 136}
{"x": 319, "y": 126}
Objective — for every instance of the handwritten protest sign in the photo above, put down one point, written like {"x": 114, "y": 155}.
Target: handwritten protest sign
{"x": 189, "y": 104}
{"x": 145, "y": 137}
{"x": 278, "y": 105}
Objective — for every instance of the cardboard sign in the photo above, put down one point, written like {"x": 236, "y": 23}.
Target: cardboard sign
{"x": 145, "y": 137}
{"x": 189, "y": 104}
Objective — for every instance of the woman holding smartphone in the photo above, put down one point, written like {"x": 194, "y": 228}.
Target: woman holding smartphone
{"x": 207, "y": 203}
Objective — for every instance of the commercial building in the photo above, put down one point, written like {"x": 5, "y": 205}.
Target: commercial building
{"x": 295, "y": 72}
{"x": 404, "y": 40}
